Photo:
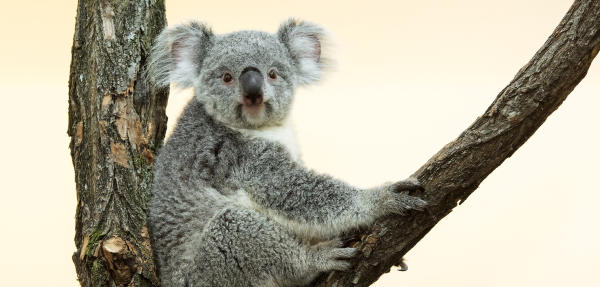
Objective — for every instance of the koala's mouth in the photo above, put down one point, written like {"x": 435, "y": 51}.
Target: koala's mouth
{"x": 254, "y": 115}
{"x": 253, "y": 111}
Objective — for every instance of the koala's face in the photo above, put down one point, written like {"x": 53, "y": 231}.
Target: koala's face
{"x": 244, "y": 79}
{"x": 247, "y": 80}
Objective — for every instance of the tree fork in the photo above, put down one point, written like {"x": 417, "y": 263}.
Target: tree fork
{"x": 452, "y": 174}
{"x": 116, "y": 124}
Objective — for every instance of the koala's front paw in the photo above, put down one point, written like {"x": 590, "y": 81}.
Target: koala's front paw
{"x": 401, "y": 203}
{"x": 396, "y": 199}
{"x": 409, "y": 185}
{"x": 330, "y": 255}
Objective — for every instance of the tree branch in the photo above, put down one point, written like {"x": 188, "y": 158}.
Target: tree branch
{"x": 117, "y": 124}
{"x": 452, "y": 174}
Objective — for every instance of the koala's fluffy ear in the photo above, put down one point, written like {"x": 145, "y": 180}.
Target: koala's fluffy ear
{"x": 177, "y": 54}
{"x": 305, "y": 42}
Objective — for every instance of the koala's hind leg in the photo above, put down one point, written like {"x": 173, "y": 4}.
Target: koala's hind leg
{"x": 241, "y": 247}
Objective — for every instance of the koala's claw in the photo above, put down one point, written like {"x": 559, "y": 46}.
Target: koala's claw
{"x": 402, "y": 265}
{"x": 410, "y": 184}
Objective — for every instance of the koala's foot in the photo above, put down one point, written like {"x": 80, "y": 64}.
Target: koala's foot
{"x": 330, "y": 255}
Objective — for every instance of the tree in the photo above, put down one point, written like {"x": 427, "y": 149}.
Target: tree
{"x": 117, "y": 124}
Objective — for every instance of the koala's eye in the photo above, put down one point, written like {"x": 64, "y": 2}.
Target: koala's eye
{"x": 272, "y": 74}
{"x": 227, "y": 78}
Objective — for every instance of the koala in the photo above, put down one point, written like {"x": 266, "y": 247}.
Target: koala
{"x": 232, "y": 203}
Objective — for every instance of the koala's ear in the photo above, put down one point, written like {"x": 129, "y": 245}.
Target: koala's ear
{"x": 177, "y": 54}
{"x": 305, "y": 42}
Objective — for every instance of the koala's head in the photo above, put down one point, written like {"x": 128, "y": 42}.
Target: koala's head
{"x": 244, "y": 79}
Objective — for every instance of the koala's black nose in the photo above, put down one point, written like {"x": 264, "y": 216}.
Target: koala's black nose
{"x": 252, "y": 81}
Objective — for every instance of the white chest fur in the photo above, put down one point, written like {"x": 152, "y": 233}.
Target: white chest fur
{"x": 283, "y": 135}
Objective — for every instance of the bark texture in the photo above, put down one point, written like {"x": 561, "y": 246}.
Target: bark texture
{"x": 116, "y": 125}
{"x": 456, "y": 171}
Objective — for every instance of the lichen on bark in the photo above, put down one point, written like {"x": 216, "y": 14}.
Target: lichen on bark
{"x": 117, "y": 124}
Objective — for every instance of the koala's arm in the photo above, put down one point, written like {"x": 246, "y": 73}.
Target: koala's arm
{"x": 313, "y": 203}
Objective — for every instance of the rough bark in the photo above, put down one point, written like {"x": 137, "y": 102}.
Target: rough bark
{"x": 116, "y": 125}
{"x": 456, "y": 171}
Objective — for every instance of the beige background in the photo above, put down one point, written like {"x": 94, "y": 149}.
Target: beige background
{"x": 411, "y": 75}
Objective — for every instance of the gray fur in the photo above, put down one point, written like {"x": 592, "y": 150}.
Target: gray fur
{"x": 230, "y": 209}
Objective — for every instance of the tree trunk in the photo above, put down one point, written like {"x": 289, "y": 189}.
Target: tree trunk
{"x": 456, "y": 171}
{"x": 116, "y": 125}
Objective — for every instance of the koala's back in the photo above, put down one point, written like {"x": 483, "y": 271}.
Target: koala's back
{"x": 189, "y": 188}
